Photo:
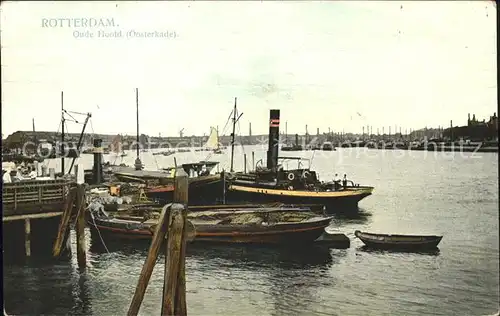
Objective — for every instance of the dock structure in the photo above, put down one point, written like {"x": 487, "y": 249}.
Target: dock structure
{"x": 177, "y": 230}
{"x": 33, "y": 213}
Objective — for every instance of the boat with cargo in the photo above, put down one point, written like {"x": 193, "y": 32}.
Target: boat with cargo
{"x": 252, "y": 225}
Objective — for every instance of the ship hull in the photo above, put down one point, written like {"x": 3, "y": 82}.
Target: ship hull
{"x": 202, "y": 191}
{"x": 290, "y": 233}
{"x": 279, "y": 234}
{"x": 335, "y": 202}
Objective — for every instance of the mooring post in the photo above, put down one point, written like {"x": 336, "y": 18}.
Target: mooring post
{"x": 180, "y": 196}
{"x": 149, "y": 263}
{"x": 27, "y": 237}
{"x": 65, "y": 218}
{"x": 173, "y": 262}
{"x": 245, "y": 163}
{"x": 253, "y": 160}
{"x": 80, "y": 227}
{"x": 75, "y": 168}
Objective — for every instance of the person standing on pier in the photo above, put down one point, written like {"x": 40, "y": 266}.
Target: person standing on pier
{"x": 336, "y": 180}
{"x": 6, "y": 176}
{"x": 344, "y": 181}
{"x": 32, "y": 173}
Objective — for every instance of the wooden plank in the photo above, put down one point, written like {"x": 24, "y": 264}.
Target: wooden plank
{"x": 80, "y": 227}
{"x": 149, "y": 263}
{"x": 30, "y": 216}
{"x": 63, "y": 225}
{"x": 28, "y": 185}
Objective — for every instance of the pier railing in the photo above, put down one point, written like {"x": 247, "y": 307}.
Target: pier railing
{"x": 33, "y": 196}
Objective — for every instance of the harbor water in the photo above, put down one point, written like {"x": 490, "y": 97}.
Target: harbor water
{"x": 449, "y": 194}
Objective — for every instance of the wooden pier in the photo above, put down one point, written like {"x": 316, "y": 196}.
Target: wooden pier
{"x": 36, "y": 215}
{"x": 31, "y": 212}
{"x": 33, "y": 197}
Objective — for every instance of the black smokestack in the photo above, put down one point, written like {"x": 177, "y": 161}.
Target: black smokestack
{"x": 97, "y": 169}
{"x": 274, "y": 139}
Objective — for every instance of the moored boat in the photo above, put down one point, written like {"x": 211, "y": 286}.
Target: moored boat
{"x": 283, "y": 225}
{"x": 205, "y": 186}
{"x": 273, "y": 183}
{"x": 402, "y": 242}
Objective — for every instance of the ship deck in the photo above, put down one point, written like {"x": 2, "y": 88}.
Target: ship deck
{"x": 129, "y": 171}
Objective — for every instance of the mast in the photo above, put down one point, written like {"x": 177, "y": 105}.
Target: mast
{"x": 80, "y": 140}
{"x": 138, "y": 162}
{"x": 34, "y": 134}
{"x": 62, "y": 132}
{"x": 274, "y": 135}
{"x": 286, "y": 132}
{"x": 137, "y": 119}
{"x": 232, "y": 136}
{"x": 218, "y": 147}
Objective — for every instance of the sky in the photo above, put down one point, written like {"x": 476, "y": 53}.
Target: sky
{"x": 338, "y": 65}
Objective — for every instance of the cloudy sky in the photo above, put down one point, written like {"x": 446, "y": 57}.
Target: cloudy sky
{"x": 410, "y": 64}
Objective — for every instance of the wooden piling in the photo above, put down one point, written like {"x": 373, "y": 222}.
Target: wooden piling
{"x": 253, "y": 160}
{"x": 147, "y": 268}
{"x": 174, "y": 226}
{"x": 65, "y": 218}
{"x": 181, "y": 196}
{"x": 245, "y": 163}
{"x": 181, "y": 187}
{"x": 75, "y": 168}
{"x": 173, "y": 261}
{"x": 27, "y": 237}
{"x": 80, "y": 227}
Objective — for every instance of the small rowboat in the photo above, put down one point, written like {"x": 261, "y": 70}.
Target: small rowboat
{"x": 409, "y": 242}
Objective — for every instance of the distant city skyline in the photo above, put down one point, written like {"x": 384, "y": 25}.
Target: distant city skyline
{"x": 342, "y": 65}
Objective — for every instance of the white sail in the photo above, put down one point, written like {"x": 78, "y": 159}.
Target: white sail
{"x": 116, "y": 145}
{"x": 213, "y": 139}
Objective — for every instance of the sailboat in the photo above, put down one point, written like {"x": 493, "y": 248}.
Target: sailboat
{"x": 212, "y": 143}
{"x": 117, "y": 146}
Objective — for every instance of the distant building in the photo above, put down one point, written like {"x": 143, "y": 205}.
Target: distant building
{"x": 475, "y": 130}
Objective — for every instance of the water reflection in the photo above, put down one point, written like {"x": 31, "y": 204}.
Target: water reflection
{"x": 233, "y": 254}
{"x": 305, "y": 282}
{"x": 428, "y": 252}
{"x": 263, "y": 256}
{"x": 360, "y": 217}
{"x": 117, "y": 245}
{"x": 37, "y": 281}
{"x": 81, "y": 295}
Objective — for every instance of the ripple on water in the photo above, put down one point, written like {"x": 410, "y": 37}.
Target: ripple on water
{"x": 453, "y": 196}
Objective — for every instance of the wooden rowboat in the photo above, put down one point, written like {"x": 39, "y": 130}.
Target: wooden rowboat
{"x": 408, "y": 242}
{"x": 261, "y": 226}
{"x": 265, "y": 226}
